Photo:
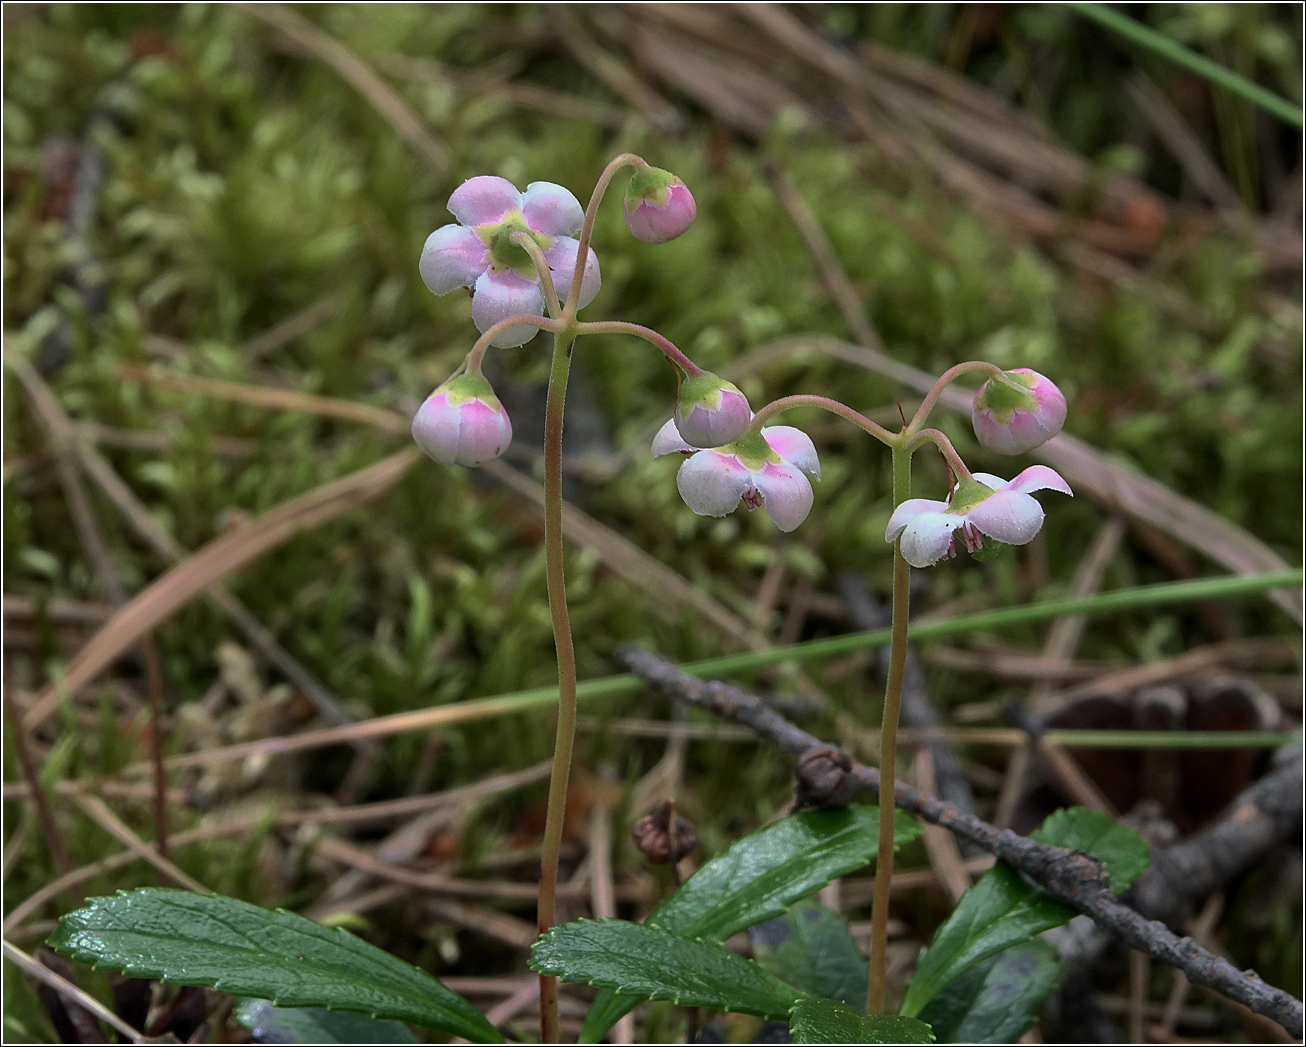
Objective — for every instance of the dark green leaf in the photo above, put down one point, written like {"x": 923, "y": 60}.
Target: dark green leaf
{"x": 827, "y": 1021}
{"x": 238, "y": 948}
{"x": 268, "y": 1024}
{"x": 767, "y": 871}
{"x": 812, "y": 949}
{"x": 757, "y": 879}
{"x": 1122, "y": 851}
{"x": 996, "y": 1000}
{"x": 1003, "y": 909}
{"x": 654, "y": 964}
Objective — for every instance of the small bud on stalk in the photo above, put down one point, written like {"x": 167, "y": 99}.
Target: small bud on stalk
{"x": 462, "y": 422}
{"x": 710, "y": 411}
{"x": 825, "y": 778}
{"x": 1017, "y": 411}
{"x": 658, "y": 206}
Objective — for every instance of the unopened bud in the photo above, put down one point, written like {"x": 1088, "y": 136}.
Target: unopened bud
{"x": 462, "y": 422}
{"x": 658, "y": 206}
{"x": 1016, "y": 411}
{"x": 653, "y": 836}
{"x": 825, "y": 778}
{"x": 710, "y": 411}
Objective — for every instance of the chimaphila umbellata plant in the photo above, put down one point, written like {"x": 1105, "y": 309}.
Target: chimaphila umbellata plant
{"x": 516, "y": 251}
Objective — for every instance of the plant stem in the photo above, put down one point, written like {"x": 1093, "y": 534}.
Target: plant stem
{"x": 946, "y": 379}
{"x": 826, "y": 404}
{"x": 888, "y": 747}
{"x": 674, "y": 356}
{"x": 566, "y": 665}
{"x": 587, "y": 229}
{"x": 945, "y": 448}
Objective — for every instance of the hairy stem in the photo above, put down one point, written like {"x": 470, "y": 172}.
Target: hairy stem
{"x": 477, "y": 354}
{"x": 888, "y": 748}
{"x": 566, "y": 666}
{"x": 826, "y": 404}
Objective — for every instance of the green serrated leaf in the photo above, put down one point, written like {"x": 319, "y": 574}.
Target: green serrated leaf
{"x": 1122, "y": 851}
{"x": 815, "y": 1020}
{"x": 238, "y": 948}
{"x": 812, "y": 949}
{"x": 767, "y": 871}
{"x": 997, "y": 999}
{"x": 268, "y": 1024}
{"x": 1002, "y": 909}
{"x": 654, "y": 964}
{"x": 757, "y": 879}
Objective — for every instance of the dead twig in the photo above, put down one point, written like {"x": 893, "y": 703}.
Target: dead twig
{"x": 1071, "y": 877}
{"x": 62, "y": 985}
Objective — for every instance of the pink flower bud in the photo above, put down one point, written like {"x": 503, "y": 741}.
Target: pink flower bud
{"x": 658, "y": 206}
{"x": 462, "y": 422}
{"x": 711, "y": 412}
{"x": 1017, "y": 411}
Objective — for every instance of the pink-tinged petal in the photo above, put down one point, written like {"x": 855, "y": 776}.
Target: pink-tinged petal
{"x": 928, "y": 537}
{"x": 468, "y": 433}
{"x": 712, "y": 483}
{"x": 909, "y": 511}
{"x": 989, "y": 480}
{"x": 1009, "y": 516}
{"x": 485, "y": 198}
{"x": 795, "y": 447}
{"x": 501, "y": 295}
{"x": 669, "y": 441}
{"x": 452, "y": 257}
{"x": 707, "y": 427}
{"x": 786, "y": 494}
{"x": 656, "y": 224}
{"x": 561, "y": 258}
{"x": 552, "y": 210}
{"x": 1040, "y": 478}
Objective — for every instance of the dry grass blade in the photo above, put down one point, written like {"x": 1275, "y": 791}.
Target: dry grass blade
{"x": 215, "y": 561}
{"x": 358, "y": 74}
{"x": 68, "y": 989}
{"x": 263, "y": 396}
{"x": 291, "y": 328}
{"x": 100, "y": 814}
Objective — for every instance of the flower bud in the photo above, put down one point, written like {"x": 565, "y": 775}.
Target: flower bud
{"x": 654, "y": 836}
{"x": 710, "y": 411}
{"x": 462, "y": 422}
{"x": 1017, "y": 411}
{"x": 658, "y": 206}
{"x": 825, "y": 778}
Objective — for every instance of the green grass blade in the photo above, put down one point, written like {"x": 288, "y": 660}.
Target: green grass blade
{"x": 1176, "y": 52}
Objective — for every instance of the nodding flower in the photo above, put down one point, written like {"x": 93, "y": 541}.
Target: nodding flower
{"x": 658, "y": 206}
{"x": 986, "y": 506}
{"x": 462, "y": 422}
{"x": 1017, "y": 411}
{"x": 760, "y": 469}
{"x": 480, "y": 252}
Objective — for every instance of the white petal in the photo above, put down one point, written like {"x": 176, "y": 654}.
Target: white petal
{"x": 927, "y": 538}
{"x": 501, "y": 295}
{"x": 561, "y": 257}
{"x": 989, "y": 480}
{"x": 452, "y": 257}
{"x": 909, "y": 511}
{"x": 712, "y": 483}
{"x": 1009, "y": 516}
{"x": 485, "y": 198}
{"x": 1040, "y": 478}
{"x": 551, "y": 209}
{"x": 795, "y": 447}
{"x": 786, "y": 494}
{"x": 669, "y": 441}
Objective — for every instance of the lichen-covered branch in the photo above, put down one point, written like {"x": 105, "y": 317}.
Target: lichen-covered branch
{"x": 1069, "y": 876}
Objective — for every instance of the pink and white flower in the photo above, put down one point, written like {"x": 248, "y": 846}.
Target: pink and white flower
{"x": 763, "y": 469}
{"x": 988, "y": 507}
{"x": 1017, "y": 411}
{"x": 658, "y": 206}
{"x": 479, "y": 252}
{"x": 462, "y": 422}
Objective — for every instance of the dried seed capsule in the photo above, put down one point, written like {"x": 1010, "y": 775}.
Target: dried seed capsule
{"x": 825, "y": 778}
{"x": 652, "y": 835}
